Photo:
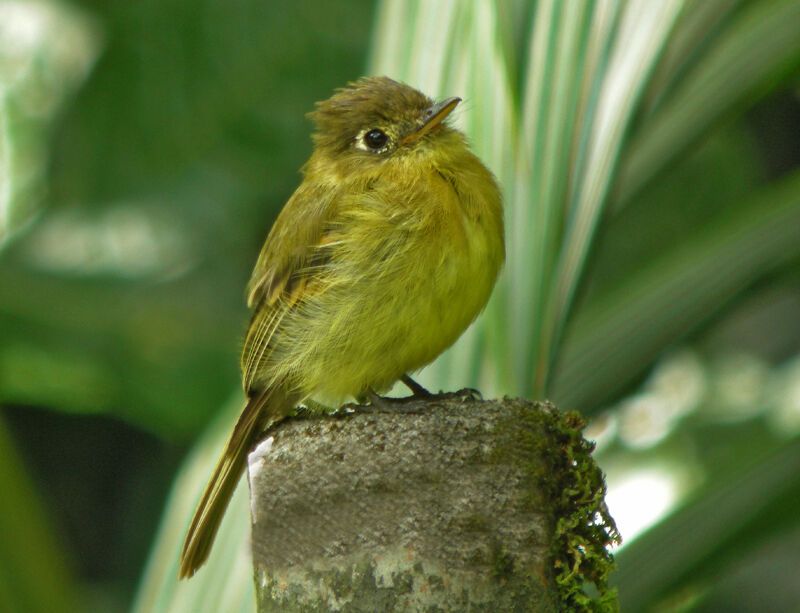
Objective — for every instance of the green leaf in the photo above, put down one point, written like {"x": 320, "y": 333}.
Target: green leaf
{"x": 618, "y": 333}
{"x": 639, "y": 39}
{"x": 553, "y": 85}
{"x": 756, "y": 51}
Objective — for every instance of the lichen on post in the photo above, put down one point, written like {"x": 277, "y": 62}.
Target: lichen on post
{"x": 462, "y": 505}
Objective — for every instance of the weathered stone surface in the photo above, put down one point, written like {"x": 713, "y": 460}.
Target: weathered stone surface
{"x": 446, "y": 509}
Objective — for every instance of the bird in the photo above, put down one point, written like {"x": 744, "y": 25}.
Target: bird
{"x": 386, "y": 252}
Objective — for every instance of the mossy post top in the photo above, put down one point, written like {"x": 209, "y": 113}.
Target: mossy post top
{"x": 462, "y": 505}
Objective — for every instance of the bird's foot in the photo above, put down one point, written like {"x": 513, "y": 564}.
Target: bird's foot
{"x": 417, "y": 390}
{"x": 371, "y": 402}
{"x": 408, "y": 405}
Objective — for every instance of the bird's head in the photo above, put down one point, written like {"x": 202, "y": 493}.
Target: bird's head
{"x": 376, "y": 118}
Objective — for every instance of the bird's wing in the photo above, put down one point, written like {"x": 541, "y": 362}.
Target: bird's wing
{"x": 292, "y": 243}
{"x": 294, "y": 250}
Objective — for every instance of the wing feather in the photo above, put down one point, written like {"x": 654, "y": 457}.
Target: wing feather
{"x": 292, "y": 242}
{"x": 294, "y": 252}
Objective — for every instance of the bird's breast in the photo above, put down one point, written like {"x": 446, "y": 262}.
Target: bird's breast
{"x": 410, "y": 267}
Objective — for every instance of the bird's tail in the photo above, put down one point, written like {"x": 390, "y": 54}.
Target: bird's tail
{"x": 260, "y": 412}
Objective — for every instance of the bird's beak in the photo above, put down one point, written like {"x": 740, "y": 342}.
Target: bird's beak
{"x": 433, "y": 116}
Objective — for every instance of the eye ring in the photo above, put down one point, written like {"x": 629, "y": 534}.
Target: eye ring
{"x": 375, "y": 139}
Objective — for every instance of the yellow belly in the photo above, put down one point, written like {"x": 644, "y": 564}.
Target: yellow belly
{"x": 401, "y": 286}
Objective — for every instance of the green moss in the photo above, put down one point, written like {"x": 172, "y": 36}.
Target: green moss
{"x": 502, "y": 564}
{"x": 549, "y": 446}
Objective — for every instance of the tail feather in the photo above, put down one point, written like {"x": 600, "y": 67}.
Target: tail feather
{"x": 260, "y": 412}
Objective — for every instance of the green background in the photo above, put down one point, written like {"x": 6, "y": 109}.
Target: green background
{"x": 147, "y": 147}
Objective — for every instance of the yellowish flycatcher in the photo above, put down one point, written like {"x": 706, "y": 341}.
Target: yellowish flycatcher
{"x": 386, "y": 252}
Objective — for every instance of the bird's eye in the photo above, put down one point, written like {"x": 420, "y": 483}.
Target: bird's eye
{"x": 375, "y": 139}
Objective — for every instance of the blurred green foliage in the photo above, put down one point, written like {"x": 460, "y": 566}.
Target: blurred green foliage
{"x": 147, "y": 147}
